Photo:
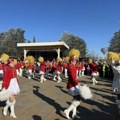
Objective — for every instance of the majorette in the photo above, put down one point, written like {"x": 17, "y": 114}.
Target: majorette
{"x": 10, "y": 82}
{"x": 42, "y": 69}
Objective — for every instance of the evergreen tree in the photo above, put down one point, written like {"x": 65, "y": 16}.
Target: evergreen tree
{"x": 9, "y": 40}
{"x": 115, "y": 43}
{"x": 34, "y": 40}
{"x": 28, "y": 41}
{"x": 74, "y": 42}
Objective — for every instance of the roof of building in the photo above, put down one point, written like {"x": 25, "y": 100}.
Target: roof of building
{"x": 43, "y": 45}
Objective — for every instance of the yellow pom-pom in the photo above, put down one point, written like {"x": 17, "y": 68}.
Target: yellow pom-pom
{"x": 59, "y": 59}
{"x": 30, "y": 60}
{"x": 74, "y": 52}
{"x": 113, "y": 56}
{"x": 41, "y": 59}
{"x": 4, "y": 57}
{"x": 67, "y": 58}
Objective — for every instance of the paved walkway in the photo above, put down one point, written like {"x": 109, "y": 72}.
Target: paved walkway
{"x": 44, "y": 101}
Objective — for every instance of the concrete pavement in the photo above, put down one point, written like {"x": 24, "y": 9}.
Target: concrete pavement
{"x": 46, "y": 101}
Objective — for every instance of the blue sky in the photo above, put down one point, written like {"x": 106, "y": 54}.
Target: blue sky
{"x": 95, "y": 21}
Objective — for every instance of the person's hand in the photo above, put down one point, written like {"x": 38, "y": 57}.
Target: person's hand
{"x": 0, "y": 59}
{"x": 26, "y": 61}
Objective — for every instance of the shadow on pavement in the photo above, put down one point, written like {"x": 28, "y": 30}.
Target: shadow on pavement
{"x": 61, "y": 88}
{"x": 48, "y": 100}
{"x": 36, "y": 117}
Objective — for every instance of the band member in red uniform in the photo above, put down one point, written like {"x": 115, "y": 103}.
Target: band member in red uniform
{"x": 65, "y": 64}
{"x": 73, "y": 89}
{"x": 2, "y": 65}
{"x": 19, "y": 71}
{"x": 29, "y": 71}
{"x": 77, "y": 68}
{"x": 54, "y": 69}
{"x": 94, "y": 72}
{"x": 47, "y": 67}
{"x": 34, "y": 68}
{"x": 42, "y": 69}
{"x": 29, "y": 65}
{"x": 59, "y": 69}
{"x": 82, "y": 67}
{"x": 3, "y": 62}
{"x": 10, "y": 82}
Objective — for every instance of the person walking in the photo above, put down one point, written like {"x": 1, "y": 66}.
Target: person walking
{"x": 73, "y": 89}
{"x": 10, "y": 82}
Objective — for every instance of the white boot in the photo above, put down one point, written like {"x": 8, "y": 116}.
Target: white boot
{"x": 96, "y": 81}
{"x": 76, "y": 104}
{"x": 5, "y": 109}
{"x": 41, "y": 79}
{"x": 67, "y": 111}
{"x": 59, "y": 79}
{"x": 83, "y": 73}
{"x": 33, "y": 75}
{"x": 54, "y": 78}
{"x": 93, "y": 79}
{"x": 12, "y": 114}
{"x": 20, "y": 73}
{"x": 80, "y": 73}
{"x": 44, "y": 79}
{"x": 66, "y": 73}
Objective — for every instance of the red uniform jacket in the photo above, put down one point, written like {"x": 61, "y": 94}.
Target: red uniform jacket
{"x": 54, "y": 66}
{"x": 34, "y": 67}
{"x": 29, "y": 67}
{"x": 42, "y": 67}
{"x": 9, "y": 73}
{"x": 72, "y": 81}
{"x": 20, "y": 64}
{"x": 94, "y": 67}
{"x": 65, "y": 65}
{"x": 2, "y": 65}
{"x": 47, "y": 65}
{"x": 59, "y": 67}
{"x": 77, "y": 66}
{"x": 82, "y": 66}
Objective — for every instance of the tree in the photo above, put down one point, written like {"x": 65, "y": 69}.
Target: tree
{"x": 28, "y": 41}
{"x": 9, "y": 40}
{"x": 34, "y": 40}
{"x": 115, "y": 43}
{"x": 74, "y": 42}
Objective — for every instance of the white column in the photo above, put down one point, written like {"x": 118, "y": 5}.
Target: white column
{"x": 58, "y": 52}
{"x": 25, "y": 53}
